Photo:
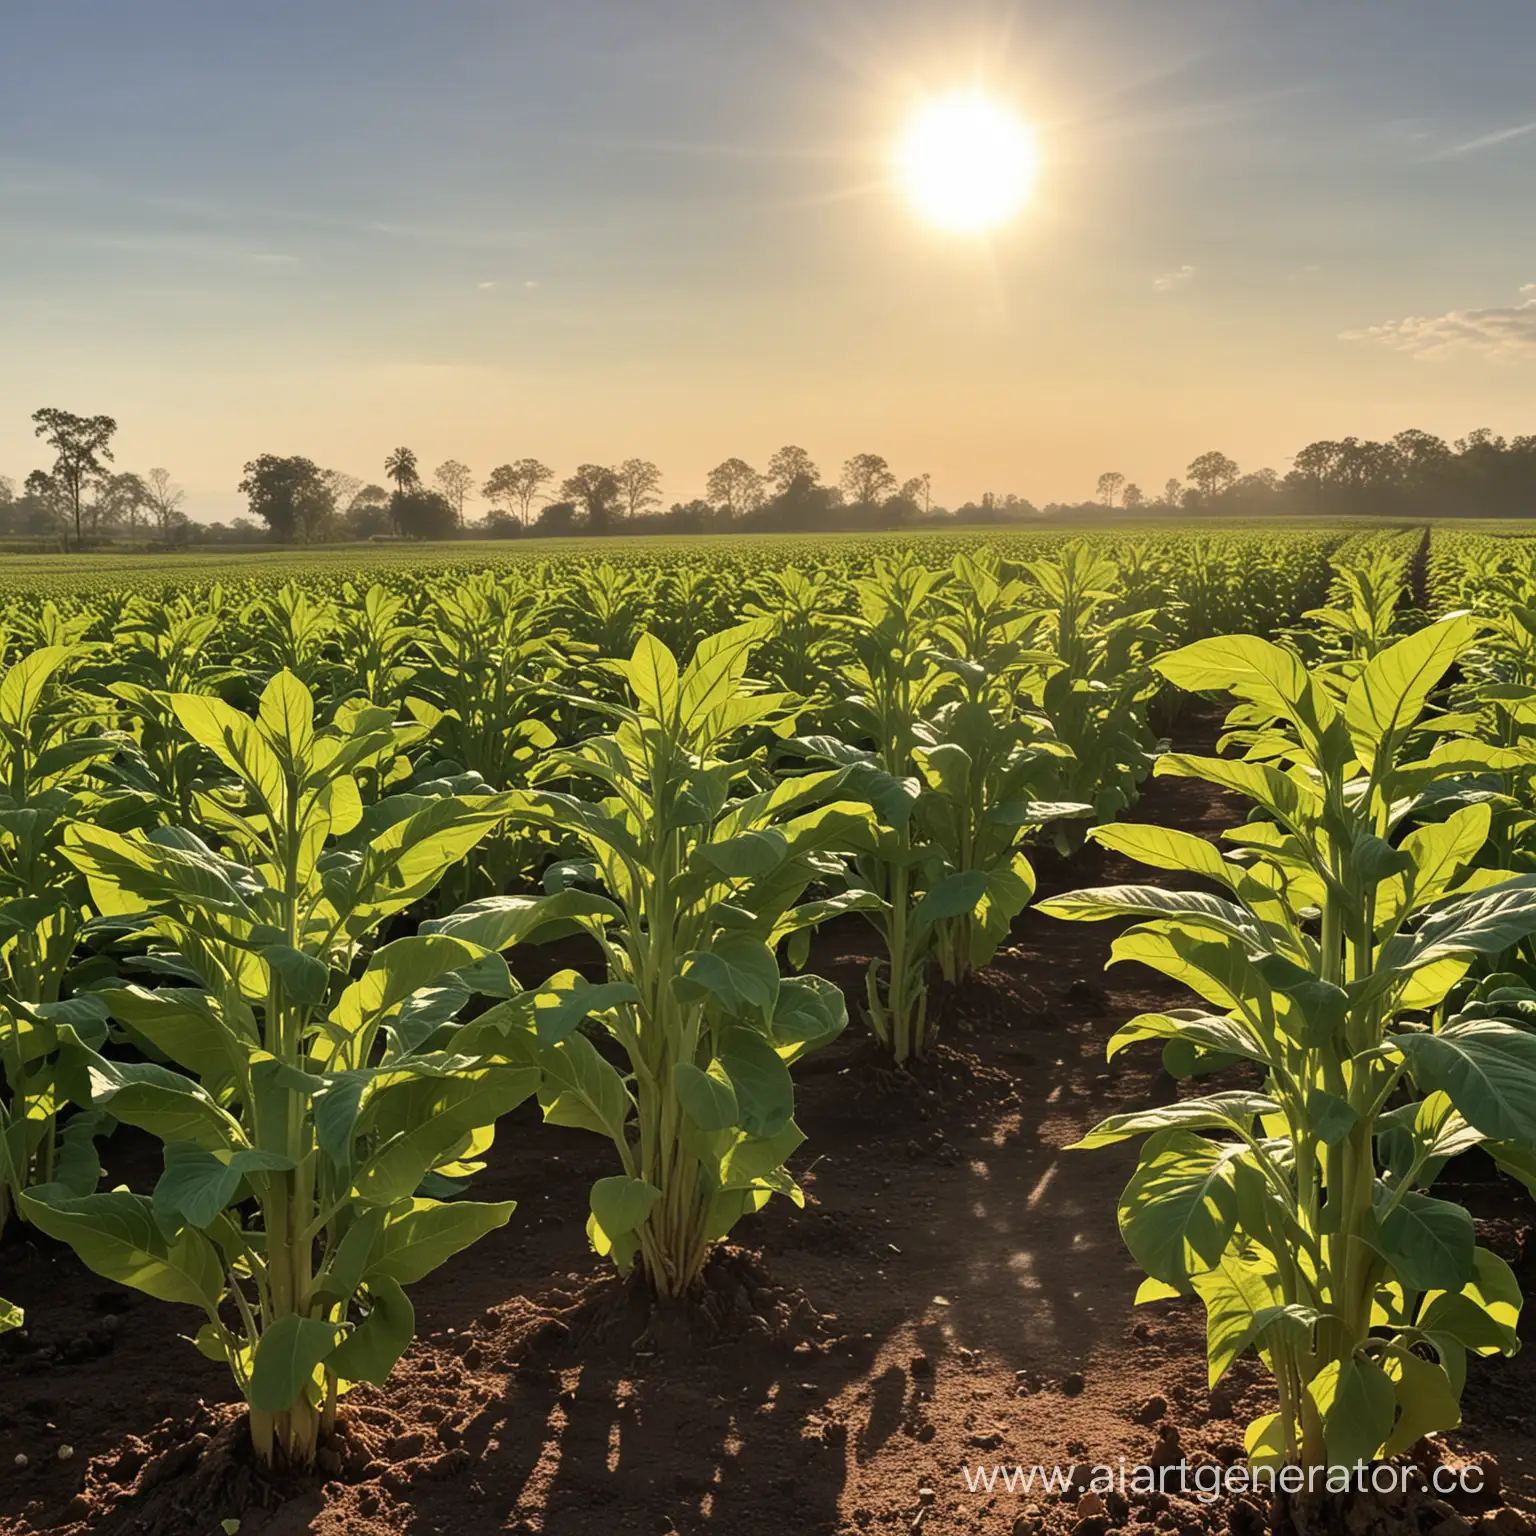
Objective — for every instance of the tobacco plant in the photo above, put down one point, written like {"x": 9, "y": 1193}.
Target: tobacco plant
{"x": 319, "y": 1085}
{"x": 1299, "y": 1210}
{"x": 699, "y": 861}
{"x": 51, "y": 752}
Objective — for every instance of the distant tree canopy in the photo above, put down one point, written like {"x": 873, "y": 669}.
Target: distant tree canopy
{"x": 81, "y": 496}
{"x": 290, "y": 495}
{"x": 82, "y": 447}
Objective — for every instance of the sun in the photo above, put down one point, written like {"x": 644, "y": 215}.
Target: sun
{"x": 967, "y": 163}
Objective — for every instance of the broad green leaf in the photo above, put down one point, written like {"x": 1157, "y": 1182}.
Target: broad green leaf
{"x": 415, "y": 1243}
{"x": 1179, "y": 1206}
{"x": 371, "y": 1349}
{"x": 116, "y": 1236}
{"x": 1486, "y": 1069}
{"x": 1234, "y": 1110}
{"x": 621, "y": 1204}
{"x": 1429, "y": 1243}
{"x": 1358, "y": 1405}
{"x": 198, "y": 1184}
{"x": 287, "y": 714}
{"x": 1427, "y": 1401}
{"x": 288, "y": 1354}
{"x": 1208, "y": 1031}
{"x": 1389, "y": 695}
{"x": 706, "y": 1095}
{"x": 761, "y": 1082}
{"x": 1165, "y": 848}
{"x": 1239, "y": 1292}
{"x": 739, "y": 970}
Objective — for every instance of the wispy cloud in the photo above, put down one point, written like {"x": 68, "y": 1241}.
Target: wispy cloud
{"x": 1505, "y": 334}
{"x": 1179, "y": 277}
{"x": 1487, "y": 141}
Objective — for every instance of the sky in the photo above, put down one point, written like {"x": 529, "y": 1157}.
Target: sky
{"x": 670, "y": 228}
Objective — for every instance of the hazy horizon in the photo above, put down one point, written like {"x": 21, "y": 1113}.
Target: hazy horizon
{"x": 599, "y": 230}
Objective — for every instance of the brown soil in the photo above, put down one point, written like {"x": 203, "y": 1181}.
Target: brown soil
{"x": 954, "y": 1294}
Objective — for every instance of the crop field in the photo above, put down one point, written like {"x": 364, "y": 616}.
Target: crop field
{"x": 769, "y": 1036}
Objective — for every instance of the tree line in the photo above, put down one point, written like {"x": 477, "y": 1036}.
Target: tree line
{"x": 1412, "y": 475}
{"x": 84, "y": 498}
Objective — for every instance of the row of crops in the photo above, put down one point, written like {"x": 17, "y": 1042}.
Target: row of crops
{"x": 273, "y": 851}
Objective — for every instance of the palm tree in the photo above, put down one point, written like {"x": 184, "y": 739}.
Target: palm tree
{"x": 400, "y": 466}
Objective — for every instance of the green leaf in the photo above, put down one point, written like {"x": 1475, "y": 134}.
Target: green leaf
{"x": 305, "y": 979}
{"x": 811, "y": 1012}
{"x": 157, "y": 1100}
{"x": 1233, "y": 1110}
{"x": 116, "y": 1236}
{"x": 397, "y": 971}
{"x": 620, "y": 1205}
{"x": 738, "y": 970}
{"x": 1205, "y": 1031}
{"x": 1180, "y": 1204}
{"x": 1486, "y": 923}
{"x": 1166, "y": 848}
{"x": 707, "y": 1096}
{"x": 370, "y": 1350}
{"x": 1389, "y": 695}
{"x": 1194, "y": 908}
{"x": 954, "y": 896}
{"x": 287, "y": 715}
{"x": 500, "y": 922}
{"x": 651, "y": 673}
{"x": 11, "y": 1316}
{"x": 583, "y": 1090}
{"x": 198, "y": 1184}
{"x": 1427, "y": 1402}
{"x": 26, "y": 681}
{"x": 415, "y": 1243}
{"x": 1240, "y": 1294}
{"x": 1429, "y": 1243}
{"x": 1484, "y": 1315}
{"x": 1358, "y": 1404}
{"x": 288, "y": 1353}
{"x": 1254, "y": 669}
{"x": 1486, "y": 1069}
{"x": 1331, "y": 1118}
{"x": 764, "y": 1092}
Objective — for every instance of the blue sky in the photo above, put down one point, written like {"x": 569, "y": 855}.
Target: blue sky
{"x": 667, "y": 227}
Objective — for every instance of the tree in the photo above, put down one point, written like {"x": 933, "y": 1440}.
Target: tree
{"x": 791, "y": 467}
{"x": 919, "y": 491}
{"x": 456, "y": 483}
{"x": 595, "y": 489}
{"x": 50, "y": 502}
{"x": 369, "y": 514}
{"x": 639, "y": 486}
{"x": 288, "y": 494}
{"x": 516, "y": 487}
{"x": 1173, "y": 493}
{"x": 1212, "y": 473}
{"x": 1133, "y": 498}
{"x": 1109, "y": 486}
{"x": 344, "y": 489}
{"x": 556, "y": 520}
{"x": 82, "y": 446}
{"x": 165, "y": 501}
{"x": 122, "y": 501}
{"x": 7, "y": 490}
{"x": 400, "y": 466}
{"x": 735, "y": 486}
{"x": 867, "y": 479}
{"x": 424, "y": 514}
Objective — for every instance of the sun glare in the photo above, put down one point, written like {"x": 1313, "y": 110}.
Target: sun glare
{"x": 967, "y": 163}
